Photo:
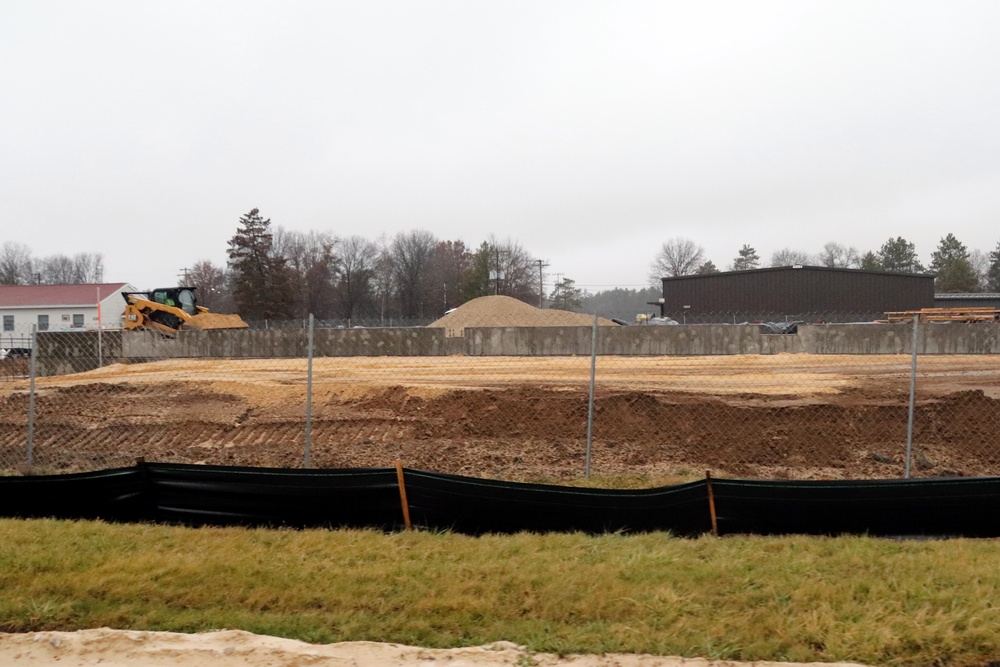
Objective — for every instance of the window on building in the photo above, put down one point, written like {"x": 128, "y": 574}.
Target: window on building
{"x": 77, "y": 320}
{"x": 8, "y": 322}
{"x": 43, "y": 322}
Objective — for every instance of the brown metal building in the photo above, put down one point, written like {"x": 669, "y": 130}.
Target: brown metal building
{"x": 807, "y": 293}
{"x": 966, "y": 300}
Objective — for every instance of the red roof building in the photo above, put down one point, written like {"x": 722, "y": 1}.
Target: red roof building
{"x": 61, "y": 307}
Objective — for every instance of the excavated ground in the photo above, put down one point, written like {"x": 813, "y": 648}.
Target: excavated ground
{"x": 660, "y": 418}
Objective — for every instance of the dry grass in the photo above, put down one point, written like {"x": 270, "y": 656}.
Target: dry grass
{"x": 801, "y": 599}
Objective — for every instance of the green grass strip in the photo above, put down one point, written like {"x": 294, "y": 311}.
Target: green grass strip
{"x": 748, "y": 598}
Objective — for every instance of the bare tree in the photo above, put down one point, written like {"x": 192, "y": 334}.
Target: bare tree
{"x": 515, "y": 272}
{"x": 355, "y": 281}
{"x": 384, "y": 280}
{"x": 980, "y": 262}
{"x": 410, "y": 253}
{"x": 88, "y": 267}
{"x": 211, "y": 286}
{"x": 789, "y": 257}
{"x": 55, "y": 270}
{"x": 449, "y": 262}
{"x": 83, "y": 267}
{"x": 15, "y": 264}
{"x": 837, "y": 256}
{"x": 677, "y": 257}
{"x": 310, "y": 258}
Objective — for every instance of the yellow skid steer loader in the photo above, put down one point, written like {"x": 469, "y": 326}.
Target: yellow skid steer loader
{"x": 172, "y": 309}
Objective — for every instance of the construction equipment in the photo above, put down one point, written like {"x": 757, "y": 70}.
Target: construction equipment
{"x": 172, "y": 309}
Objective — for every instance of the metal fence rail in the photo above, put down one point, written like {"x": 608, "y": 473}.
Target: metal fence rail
{"x": 325, "y": 397}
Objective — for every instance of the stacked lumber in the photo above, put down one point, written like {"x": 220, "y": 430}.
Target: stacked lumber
{"x": 945, "y": 315}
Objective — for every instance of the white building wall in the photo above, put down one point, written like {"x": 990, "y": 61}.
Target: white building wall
{"x": 61, "y": 317}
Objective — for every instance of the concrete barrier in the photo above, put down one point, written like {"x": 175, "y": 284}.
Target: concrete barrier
{"x": 277, "y": 343}
{"x": 71, "y": 352}
{"x": 705, "y": 339}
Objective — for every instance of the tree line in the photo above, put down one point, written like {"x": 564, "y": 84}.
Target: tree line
{"x": 276, "y": 274}
{"x": 19, "y": 267}
{"x": 958, "y": 269}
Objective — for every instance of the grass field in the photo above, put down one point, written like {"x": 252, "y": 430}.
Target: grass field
{"x": 856, "y": 599}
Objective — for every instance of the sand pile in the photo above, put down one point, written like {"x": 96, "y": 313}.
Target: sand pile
{"x": 215, "y": 321}
{"x": 505, "y": 311}
{"x": 235, "y": 648}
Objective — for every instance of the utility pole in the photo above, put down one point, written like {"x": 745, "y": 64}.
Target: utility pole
{"x": 497, "y": 289}
{"x": 541, "y": 285}
{"x": 183, "y": 275}
{"x": 498, "y": 251}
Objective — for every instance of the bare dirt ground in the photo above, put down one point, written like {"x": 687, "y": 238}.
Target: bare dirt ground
{"x": 780, "y": 416}
{"x": 231, "y": 648}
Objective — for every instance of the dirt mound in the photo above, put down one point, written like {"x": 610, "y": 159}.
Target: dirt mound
{"x": 505, "y": 311}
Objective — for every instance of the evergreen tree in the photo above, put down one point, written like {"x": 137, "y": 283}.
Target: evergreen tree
{"x": 707, "y": 267}
{"x": 993, "y": 273}
{"x": 566, "y": 295}
{"x": 900, "y": 256}
{"x": 869, "y": 262}
{"x": 262, "y": 285}
{"x": 954, "y": 271}
{"x": 476, "y": 280}
{"x": 747, "y": 259}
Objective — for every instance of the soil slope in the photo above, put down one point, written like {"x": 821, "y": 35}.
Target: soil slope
{"x": 787, "y": 416}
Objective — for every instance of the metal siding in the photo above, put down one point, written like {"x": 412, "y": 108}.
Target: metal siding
{"x": 792, "y": 291}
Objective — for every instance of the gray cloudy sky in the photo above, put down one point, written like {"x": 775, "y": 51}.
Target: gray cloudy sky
{"x": 589, "y": 131}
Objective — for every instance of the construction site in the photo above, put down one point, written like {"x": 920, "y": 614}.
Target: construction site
{"x": 655, "y": 417}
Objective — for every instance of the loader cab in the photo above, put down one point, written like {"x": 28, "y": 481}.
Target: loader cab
{"x": 178, "y": 297}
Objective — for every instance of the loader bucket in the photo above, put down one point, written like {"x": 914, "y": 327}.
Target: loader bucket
{"x": 215, "y": 321}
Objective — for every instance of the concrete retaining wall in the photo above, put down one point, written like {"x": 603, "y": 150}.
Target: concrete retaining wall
{"x": 61, "y": 352}
{"x": 705, "y": 339}
{"x": 246, "y": 343}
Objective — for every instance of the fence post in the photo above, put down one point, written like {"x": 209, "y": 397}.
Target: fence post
{"x": 913, "y": 391}
{"x": 100, "y": 348}
{"x": 309, "y": 387}
{"x": 32, "y": 366}
{"x": 590, "y": 402}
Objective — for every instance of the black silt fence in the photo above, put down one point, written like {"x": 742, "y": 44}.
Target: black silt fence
{"x": 198, "y": 495}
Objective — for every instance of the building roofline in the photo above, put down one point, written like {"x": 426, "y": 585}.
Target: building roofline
{"x": 967, "y": 295}
{"x": 799, "y": 267}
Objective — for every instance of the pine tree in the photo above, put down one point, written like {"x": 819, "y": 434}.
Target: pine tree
{"x": 900, "y": 256}
{"x": 747, "y": 259}
{"x": 262, "y": 284}
{"x": 869, "y": 262}
{"x": 993, "y": 273}
{"x": 954, "y": 271}
{"x": 565, "y": 295}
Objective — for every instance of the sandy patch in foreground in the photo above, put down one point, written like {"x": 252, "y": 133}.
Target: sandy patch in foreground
{"x": 234, "y": 648}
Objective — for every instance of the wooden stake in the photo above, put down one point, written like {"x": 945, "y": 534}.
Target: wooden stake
{"x": 402, "y": 495}
{"x": 711, "y": 503}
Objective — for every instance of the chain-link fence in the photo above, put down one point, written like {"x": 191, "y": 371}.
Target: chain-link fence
{"x": 551, "y": 399}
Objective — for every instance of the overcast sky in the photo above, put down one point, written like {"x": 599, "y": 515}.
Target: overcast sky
{"x": 591, "y": 132}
